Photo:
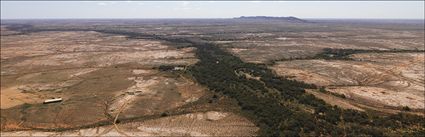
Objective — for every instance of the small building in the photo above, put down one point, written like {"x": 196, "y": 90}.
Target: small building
{"x": 53, "y": 100}
{"x": 178, "y": 68}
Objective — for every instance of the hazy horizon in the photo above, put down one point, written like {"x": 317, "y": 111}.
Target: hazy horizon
{"x": 403, "y": 10}
{"x": 206, "y": 18}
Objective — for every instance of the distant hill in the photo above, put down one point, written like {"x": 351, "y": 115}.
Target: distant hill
{"x": 289, "y": 19}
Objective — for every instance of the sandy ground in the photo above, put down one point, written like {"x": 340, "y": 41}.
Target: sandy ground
{"x": 92, "y": 70}
{"x": 211, "y": 123}
{"x": 382, "y": 96}
{"x": 344, "y": 72}
{"x": 30, "y": 85}
{"x": 98, "y": 75}
{"x": 286, "y": 45}
{"x": 49, "y": 49}
{"x": 12, "y": 96}
{"x": 95, "y": 74}
{"x": 384, "y": 79}
{"x": 56, "y": 52}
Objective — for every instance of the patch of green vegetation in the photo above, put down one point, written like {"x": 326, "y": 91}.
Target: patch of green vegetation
{"x": 24, "y": 109}
{"x": 323, "y": 90}
{"x": 406, "y": 108}
{"x": 343, "y": 54}
{"x": 164, "y": 114}
{"x": 278, "y": 114}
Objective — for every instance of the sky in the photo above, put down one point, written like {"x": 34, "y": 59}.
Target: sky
{"x": 211, "y": 9}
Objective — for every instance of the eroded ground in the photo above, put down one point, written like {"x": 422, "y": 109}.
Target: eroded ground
{"x": 101, "y": 77}
{"x": 375, "y": 79}
{"x": 114, "y": 80}
{"x": 265, "y": 47}
{"x": 211, "y": 123}
{"x": 388, "y": 81}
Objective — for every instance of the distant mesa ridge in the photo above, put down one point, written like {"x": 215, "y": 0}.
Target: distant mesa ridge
{"x": 289, "y": 18}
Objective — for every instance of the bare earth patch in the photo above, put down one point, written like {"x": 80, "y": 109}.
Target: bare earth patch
{"x": 210, "y": 123}
{"x": 12, "y": 96}
{"x": 96, "y": 74}
{"x": 375, "y": 79}
{"x": 382, "y": 96}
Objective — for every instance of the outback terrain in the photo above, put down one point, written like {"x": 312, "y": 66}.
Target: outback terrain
{"x": 245, "y": 76}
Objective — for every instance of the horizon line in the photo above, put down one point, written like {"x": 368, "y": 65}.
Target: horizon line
{"x": 210, "y": 18}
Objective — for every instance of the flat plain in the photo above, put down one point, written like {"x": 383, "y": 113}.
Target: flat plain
{"x": 212, "y": 77}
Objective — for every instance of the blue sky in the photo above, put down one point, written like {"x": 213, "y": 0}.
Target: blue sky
{"x": 211, "y": 9}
